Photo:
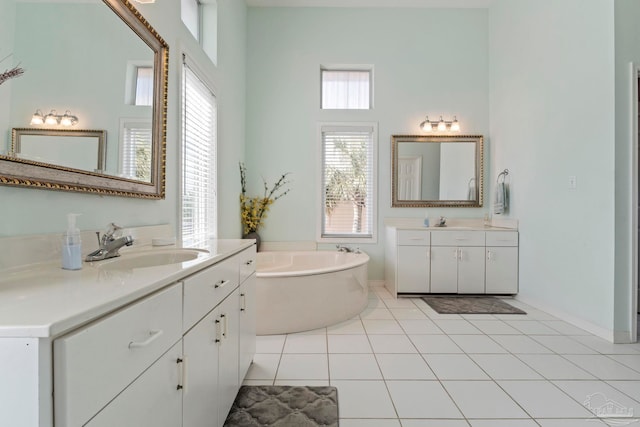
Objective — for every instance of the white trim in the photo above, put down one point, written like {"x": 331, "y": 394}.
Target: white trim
{"x": 576, "y": 321}
{"x": 376, "y": 284}
{"x": 319, "y": 176}
{"x": 635, "y": 74}
{"x": 464, "y": 4}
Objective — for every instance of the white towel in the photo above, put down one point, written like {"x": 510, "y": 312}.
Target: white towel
{"x": 471, "y": 190}
{"x": 501, "y": 199}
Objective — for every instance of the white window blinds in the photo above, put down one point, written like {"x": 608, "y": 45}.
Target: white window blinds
{"x": 346, "y": 89}
{"x": 136, "y": 150}
{"x": 348, "y": 181}
{"x": 199, "y": 205}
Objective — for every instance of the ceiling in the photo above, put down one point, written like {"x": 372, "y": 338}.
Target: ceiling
{"x": 372, "y": 3}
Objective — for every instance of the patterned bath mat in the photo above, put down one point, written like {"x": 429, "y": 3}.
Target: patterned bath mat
{"x": 284, "y": 406}
{"x": 470, "y": 305}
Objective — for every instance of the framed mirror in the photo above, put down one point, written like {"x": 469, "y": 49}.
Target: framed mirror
{"x": 104, "y": 62}
{"x": 437, "y": 171}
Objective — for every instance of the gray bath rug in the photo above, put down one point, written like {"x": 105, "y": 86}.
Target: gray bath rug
{"x": 284, "y": 406}
{"x": 470, "y": 305}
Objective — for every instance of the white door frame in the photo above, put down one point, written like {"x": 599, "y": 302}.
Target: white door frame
{"x": 635, "y": 74}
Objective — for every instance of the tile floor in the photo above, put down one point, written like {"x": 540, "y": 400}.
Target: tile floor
{"x": 402, "y": 364}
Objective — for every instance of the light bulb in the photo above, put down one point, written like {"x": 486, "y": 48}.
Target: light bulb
{"x": 442, "y": 126}
{"x": 426, "y": 125}
{"x": 37, "y": 118}
{"x": 455, "y": 125}
{"x": 68, "y": 119}
{"x": 51, "y": 119}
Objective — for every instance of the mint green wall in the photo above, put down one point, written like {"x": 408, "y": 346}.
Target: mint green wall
{"x": 28, "y": 211}
{"x": 426, "y": 61}
{"x": 7, "y": 25}
{"x": 627, "y": 35}
{"x": 552, "y": 116}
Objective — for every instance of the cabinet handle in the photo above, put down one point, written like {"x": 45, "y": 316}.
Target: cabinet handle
{"x": 462, "y": 238}
{"x": 243, "y": 303}
{"x": 249, "y": 262}
{"x": 428, "y": 254}
{"x": 224, "y": 328}
{"x": 220, "y": 284}
{"x": 416, "y": 238}
{"x": 489, "y": 255}
{"x": 455, "y": 254}
{"x": 182, "y": 373}
{"x": 153, "y": 335}
{"x": 460, "y": 254}
{"x": 218, "y": 331}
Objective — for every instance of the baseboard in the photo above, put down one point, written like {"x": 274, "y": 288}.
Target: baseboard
{"x": 376, "y": 283}
{"x": 576, "y": 321}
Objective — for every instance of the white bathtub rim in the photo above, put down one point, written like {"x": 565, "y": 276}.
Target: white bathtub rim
{"x": 361, "y": 259}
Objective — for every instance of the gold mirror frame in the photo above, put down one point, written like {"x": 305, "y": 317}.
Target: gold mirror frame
{"x": 30, "y": 174}
{"x": 479, "y": 175}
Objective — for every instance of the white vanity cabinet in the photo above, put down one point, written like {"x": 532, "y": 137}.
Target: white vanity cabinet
{"x": 451, "y": 260}
{"x": 457, "y": 262}
{"x": 502, "y": 262}
{"x": 247, "y": 311}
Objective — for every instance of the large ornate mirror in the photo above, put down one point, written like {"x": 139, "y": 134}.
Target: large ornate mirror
{"x": 101, "y": 60}
{"x": 437, "y": 171}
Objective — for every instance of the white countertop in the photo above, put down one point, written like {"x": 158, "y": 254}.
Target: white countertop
{"x": 43, "y": 300}
{"x": 453, "y": 224}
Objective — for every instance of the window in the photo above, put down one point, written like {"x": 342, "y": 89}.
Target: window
{"x": 199, "y": 204}
{"x": 348, "y": 169}
{"x": 201, "y": 19}
{"x": 346, "y": 89}
{"x": 144, "y": 86}
{"x": 136, "y": 150}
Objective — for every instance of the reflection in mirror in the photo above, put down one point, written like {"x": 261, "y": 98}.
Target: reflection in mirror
{"x": 430, "y": 171}
{"x": 110, "y": 69}
{"x": 75, "y": 149}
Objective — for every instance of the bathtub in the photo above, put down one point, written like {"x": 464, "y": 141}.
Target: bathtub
{"x": 301, "y": 291}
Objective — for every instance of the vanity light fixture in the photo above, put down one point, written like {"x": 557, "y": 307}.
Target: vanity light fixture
{"x": 440, "y": 125}
{"x": 67, "y": 119}
{"x": 145, "y": 1}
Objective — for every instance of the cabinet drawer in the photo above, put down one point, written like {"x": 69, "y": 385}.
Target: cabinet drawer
{"x": 502, "y": 238}
{"x": 413, "y": 238}
{"x": 247, "y": 259}
{"x": 206, "y": 289}
{"x": 457, "y": 238}
{"x": 95, "y": 363}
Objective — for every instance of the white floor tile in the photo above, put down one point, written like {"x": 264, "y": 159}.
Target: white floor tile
{"x": 435, "y": 344}
{"x": 532, "y": 327}
{"x": 554, "y": 367}
{"x": 264, "y": 367}
{"x": 564, "y": 328}
{"x": 433, "y": 423}
{"x": 376, "y": 303}
{"x": 306, "y": 344}
{"x": 503, "y": 423}
{"x": 482, "y": 399}
{"x": 456, "y": 327}
{"x": 391, "y": 344}
{"x": 349, "y": 344}
{"x": 454, "y": 367}
{"x": 520, "y": 344}
{"x": 360, "y": 422}
{"x": 419, "y": 326}
{"x": 591, "y": 422}
{"x": 422, "y": 399}
{"x": 563, "y": 345}
{"x": 505, "y": 367}
{"x": 630, "y": 360}
{"x": 257, "y": 382}
{"x": 494, "y": 327}
{"x": 319, "y": 331}
{"x": 383, "y": 293}
{"x": 407, "y": 313}
{"x": 597, "y": 395}
{"x": 605, "y": 347}
{"x": 404, "y": 367}
{"x": 630, "y": 388}
{"x": 270, "y": 343}
{"x": 353, "y": 367}
{"x": 541, "y": 399}
{"x": 382, "y": 327}
{"x": 478, "y": 316}
{"x": 302, "y": 383}
{"x": 603, "y": 367}
{"x": 376, "y": 313}
{"x": 399, "y": 303}
{"x": 364, "y": 399}
{"x": 303, "y": 367}
{"x": 477, "y": 344}
{"x": 353, "y": 326}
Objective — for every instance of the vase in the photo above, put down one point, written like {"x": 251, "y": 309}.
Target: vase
{"x": 253, "y": 235}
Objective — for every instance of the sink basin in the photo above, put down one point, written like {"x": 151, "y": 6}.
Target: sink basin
{"x": 151, "y": 259}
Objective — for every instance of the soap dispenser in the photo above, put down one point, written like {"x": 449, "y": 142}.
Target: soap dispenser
{"x": 71, "y": 245}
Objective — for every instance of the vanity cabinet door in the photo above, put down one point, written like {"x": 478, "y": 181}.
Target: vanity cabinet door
{"x": 228, "y": 366}
{"x": 502, "y": 270}
{"x": 153, "y": 399}
{"x": 444, "y": 269}
{"x": 413, "y": 269}
{"x": 247, "y": 325}
{"x": 200, "y": 346}
{"x": 471, "y": 270}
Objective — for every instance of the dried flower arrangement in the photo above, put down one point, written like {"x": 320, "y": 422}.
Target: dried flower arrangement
{"x": 9, "y": 74}
{"x": 253, "y": 210}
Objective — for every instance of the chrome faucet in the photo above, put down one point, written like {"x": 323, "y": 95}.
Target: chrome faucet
{"x": 442, "y": 222}
{"x": 109, "y": 245}
{"x": 347, "y": 249}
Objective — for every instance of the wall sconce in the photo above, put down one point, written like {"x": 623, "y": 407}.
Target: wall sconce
{"x": 67, "y": 119}
{"x": 441, "y": 125}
